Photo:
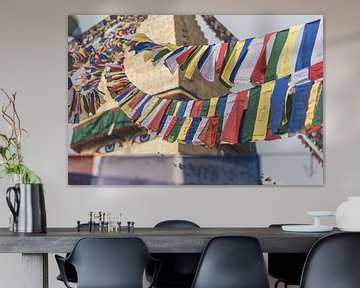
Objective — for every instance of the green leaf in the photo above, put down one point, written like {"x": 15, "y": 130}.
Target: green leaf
{"x": 3, "y": 173}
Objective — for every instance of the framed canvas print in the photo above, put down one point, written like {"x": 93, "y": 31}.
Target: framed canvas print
{"x": 195, "y": 100}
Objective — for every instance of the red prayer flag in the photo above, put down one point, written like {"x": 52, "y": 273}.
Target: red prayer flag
{"x": 270, "y": 136}
{"x": 208, "y": 135}
{"x": 221, "y": 57}
{"x": 155, "y": 123}
{"x": 170, "y": 127}
{"x": 258, "y": 74}
{"x": 230, "y": 132}
{"x": 184, "y": 56}
{"x": 316, "y": 71}
{"x": 195, "y": 111}
{"x": 133, "y": 102}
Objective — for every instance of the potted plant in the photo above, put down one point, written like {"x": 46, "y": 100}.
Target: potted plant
{"x": 12, "y": 161}
{"x": 25, "y": 197}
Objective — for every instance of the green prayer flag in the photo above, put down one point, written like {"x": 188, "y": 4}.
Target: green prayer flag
{"x": 318, "y": 115}
{"x": 204, "y": 108}
{"x": 172, "y": 137}
{"x": 188, "y": 60}
{"x": 250, "y": 115}
{"x": 279, "y": 43}
{"x": 161, "y": 54}
{"x": 171, "y": 109}
{"x": 229, "y": 50}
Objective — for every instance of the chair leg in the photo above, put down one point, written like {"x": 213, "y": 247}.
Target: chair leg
{"x": 278, "y": 282}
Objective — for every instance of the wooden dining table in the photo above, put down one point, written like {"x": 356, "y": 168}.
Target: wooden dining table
{"x": 35, "y": 247}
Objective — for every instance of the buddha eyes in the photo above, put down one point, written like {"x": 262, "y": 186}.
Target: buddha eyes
{"x": 142, "y": 138}
{"x": 108, "y": 148}
{"x": 117, "y": 144}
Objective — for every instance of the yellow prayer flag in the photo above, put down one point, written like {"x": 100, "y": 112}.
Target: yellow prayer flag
{"x": 177, "y": 107}
{"x": 230, "y": 64}
{"x": 190, "y": 69}
{"x": 212, "y": 106}
{"x": 147, "y": 56}
{"x": 263, "y": 110}
{"x": 285, "y": 61}
{"x": 148, "y": 109}
{"x": 141, "y": 37}
{"x": 184, "y": 129}
{"x": 314, "y": 92}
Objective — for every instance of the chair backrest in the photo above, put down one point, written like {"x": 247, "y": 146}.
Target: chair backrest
{"x": 110, "y": 262}
{"x": 232, "y": 262}
{"x": 178, "y": 267}
{"x": 333, "y": 262}
{"x": 176, "y": 224}
{"x": 286, "y": 267}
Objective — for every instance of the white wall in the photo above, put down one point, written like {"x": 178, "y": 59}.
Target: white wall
{"x": 33, "y": 62}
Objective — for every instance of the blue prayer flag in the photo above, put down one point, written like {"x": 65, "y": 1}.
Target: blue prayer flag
{"x": 307, "y": 45}
{"x": 277, "y": 102}
{"x": 299, "y": 107}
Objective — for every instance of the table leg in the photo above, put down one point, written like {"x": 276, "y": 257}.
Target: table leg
{"x": 35, "y": 270}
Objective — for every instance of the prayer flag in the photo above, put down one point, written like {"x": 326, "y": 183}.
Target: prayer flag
{"x": 154, "y": 125}
{"x": 307, "y": 45}
{"x": 184, "y": 130}
{"x": 314, "y": 93}
{"x": 172, "y": 137}
{"x": 171, "y": 108}
{"x": 263, "y": 110}
{"x": 243, "y": 54}
{"x": 277, "y": 47}
{"x": 188, "y": 108}
{"x": 184, "y": 56}
{"x": 207, "y": 68}
{"x": 208, "y": 135}
{"x": 231, "y": 62}
{"x": 299, "y": 107}
{"x": 195, "y": 111}
{"x": 212, "y": 106}
{"x": 318, "y": 51}
{"x": 247, "y": 66}
{"x": 221, "y": 57}
{"x": 165, "y": 125}
{"x": 170, "y": 62}
{"x": 286, "y": 56}
{"x": 250, "y": 115}
{"x": 258, "y": 74}
{"x": 299, "y": 77}
{"x": 220, "y": 109}
{"x": 199, "y": 129}
{"x": 148, "y": 108}
{"x": 231, "y": 125}
{"x": 277, "y": 102}
{"x": 316, "y": 71}
{"x": 169, "y": 127}
{"x": 192, "y": 130}
{"x": 190, "y": 69}
{"x": 204, "y": 107}
{"x": 318, "y": 117}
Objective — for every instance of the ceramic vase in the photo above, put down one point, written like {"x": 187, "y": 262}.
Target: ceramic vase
{"x": 348, "y": 214}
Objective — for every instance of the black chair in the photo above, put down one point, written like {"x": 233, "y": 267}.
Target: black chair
{"x": 70, "y": 271}
{"x": 232, "y": 262}
{"x": 286, "y": 267}
{"x": 108, "y": 263}
{"x": 333, "y": 262}
{"x": 178, "y": 269}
